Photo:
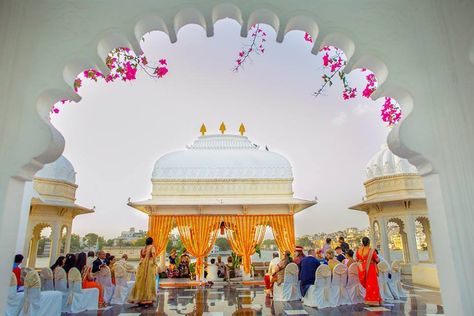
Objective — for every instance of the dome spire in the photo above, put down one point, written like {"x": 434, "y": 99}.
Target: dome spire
{"x": 242, "y": 129}
{"x": 222, "y": 128}
{"x": 203, "y": 129}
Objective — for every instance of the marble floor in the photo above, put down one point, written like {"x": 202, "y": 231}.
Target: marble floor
{"x": 234, "y": 299}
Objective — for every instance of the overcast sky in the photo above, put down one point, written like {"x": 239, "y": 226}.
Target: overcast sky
{"x": 118, "y": 130}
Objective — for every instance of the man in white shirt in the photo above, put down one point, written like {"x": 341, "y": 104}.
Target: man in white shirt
{"x": 273, "y": 263}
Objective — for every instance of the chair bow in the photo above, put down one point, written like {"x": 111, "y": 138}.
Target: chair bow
{"x": 32, "y": 280}
{"x": 73, "y": 277}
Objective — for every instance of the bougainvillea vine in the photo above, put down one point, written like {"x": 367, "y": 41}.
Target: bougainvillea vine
{"x": 123, "y": 65}
{"x": 256, "y": 46}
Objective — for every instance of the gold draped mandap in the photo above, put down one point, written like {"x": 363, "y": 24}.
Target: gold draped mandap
{"x": 222, "y": 183}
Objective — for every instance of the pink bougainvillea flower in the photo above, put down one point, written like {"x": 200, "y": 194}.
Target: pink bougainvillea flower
{"x": 308, "y": 37}
{"x": 63, "y": 101}
{"x": 326, "y": 60}
{"x": 161, "y": 71}
{"x": 241, "y": 54}
{"x": 162, "y": 61}
{"x": 367, "y": 92}
{"x": 55, "y": 110}
{"x": 77, "y": 84}
{"x": 130, "y": 72}
{"x": 325, "y": 48}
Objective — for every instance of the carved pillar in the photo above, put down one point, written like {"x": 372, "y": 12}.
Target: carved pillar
{"x": 27, "y": 245}
{"x": 55, "y": 240}
{"x": 427, "y": 231}
{"x": 67, "y": 247}
{"x": 384, "y": 239}
{"x": 33, "y": 249}
{"x": 411, "y": 239}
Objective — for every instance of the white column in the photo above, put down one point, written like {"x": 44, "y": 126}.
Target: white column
{"x": 429, "y": 243}
{"x": 384, "y": 239}
{"x": 55, "y": 240}
{"x": 410, "y": 230}
{"x": 33, "y": 250}
{"x": 27, "y": 242}
{"x": 67, "y": 247}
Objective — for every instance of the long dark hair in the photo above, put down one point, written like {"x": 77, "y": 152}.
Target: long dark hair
{"x": 365, "y": 241}
{"x": 81, "y": 261}
{"x": 70, "y": 262}
{"x": 59, "y": 263}
{"x": 149, "y": 241}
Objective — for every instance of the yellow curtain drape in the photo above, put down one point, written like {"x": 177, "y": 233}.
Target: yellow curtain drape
{"x": 244, "y": 232}
{"x": 283, "y": 228}
{"x": 159, "y": 227}
{"x": 198, "y": 234}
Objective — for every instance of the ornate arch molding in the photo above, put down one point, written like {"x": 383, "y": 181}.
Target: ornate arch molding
{"x": 90, "y": 50}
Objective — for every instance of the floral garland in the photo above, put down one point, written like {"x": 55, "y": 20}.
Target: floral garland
{"x": 123, "y": 65}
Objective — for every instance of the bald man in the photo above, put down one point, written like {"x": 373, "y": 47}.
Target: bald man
{"x": 100, "y": 262}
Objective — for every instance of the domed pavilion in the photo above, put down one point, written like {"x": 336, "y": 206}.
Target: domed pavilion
{"x": 395, "y": 202}
{"x": 52, "y": 205}
{"x": 222, "y": 184}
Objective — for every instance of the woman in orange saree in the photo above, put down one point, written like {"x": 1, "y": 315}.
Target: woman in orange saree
{"x": 368, "y": 272}
{"x": 144, "y": 289}
{"x": 87, "y": 279}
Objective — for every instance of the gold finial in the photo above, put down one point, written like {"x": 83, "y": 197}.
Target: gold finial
{"x": 222, "y": 128}
{"x": 203, "y": 129}
{"x": 242, "y": 129}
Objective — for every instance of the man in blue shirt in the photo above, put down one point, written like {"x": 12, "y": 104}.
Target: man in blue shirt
{"x": 307, "y": 272}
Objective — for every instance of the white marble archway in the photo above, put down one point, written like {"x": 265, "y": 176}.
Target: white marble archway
{"x": 421, "y": 62}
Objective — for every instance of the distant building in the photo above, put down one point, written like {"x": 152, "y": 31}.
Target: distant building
{"x": 131, "y": 235}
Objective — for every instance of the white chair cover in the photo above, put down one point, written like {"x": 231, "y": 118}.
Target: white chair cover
{"x": 60, "y": 279}
{"x": 319, "y": 294}
{"x": 355, "y": 290}
{"x": 78, "y": 300}
{"x": 104, "y": 278}
{"x": 46, "y": 275}
{"x": 339, "y": 294}
{"x": 15, "y": 300}
{"x": 395, "y": 283}
{"x": 37, "y": 303}
{"x": 122, "y": 287}
{"x": 383, "y": 281}
{"x": 289, "y": 290}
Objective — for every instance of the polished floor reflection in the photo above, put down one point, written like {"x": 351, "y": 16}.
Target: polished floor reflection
{"x": 251, "y": 300}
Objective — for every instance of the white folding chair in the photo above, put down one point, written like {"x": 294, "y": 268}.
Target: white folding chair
{"x": 39, "y": 303}
{"x": 355, "y": 290}
{"x": 395, "y": 282}
{"x": 77, "y": 299}
{"x": 15, "y": 299}
{"x": 339, "y": 294}
{"x": 104, "y": 278}
{"x": 289, "y": 289}
{"x": 122, "y": 286}
{"x": 60, "y": 279}
{"x": 46, "y": 275}
{"x": 383, "y": 281}
{"x": 319, "y": 294}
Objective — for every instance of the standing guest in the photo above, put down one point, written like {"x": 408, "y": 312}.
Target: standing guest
{"x": 111, "y": 265}
{"x": 183, "y": 267}
{"x": 327, "y": 245}
{"x": 17, "y": 269}
{"x": 307, "y": 272}
{"x": 70, "y": 262}
{"x": 87, "y": 279}
{"x": 212, "y": 271}
{"x": 349, "y": 258}
{"x": 299, "y": 255}
{"x": 330, "y": 258}
{"x": 90, "y": 258}
{"x": 273, "y": 263}
{"x": 220, "y": 267}
{"x": 173, "y": 271}
{"x": 100, "y": 262}
{"x": 343, "y": 245}
{"x": 321, "y": 257}
{"x": 229, "y": 269}
{"x": 144, "y": 289}
{"x": 368, "y": 272}
{"x": 339, "y": 255}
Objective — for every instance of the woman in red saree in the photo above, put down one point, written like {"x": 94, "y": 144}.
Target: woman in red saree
{"x": 368, "y": 272}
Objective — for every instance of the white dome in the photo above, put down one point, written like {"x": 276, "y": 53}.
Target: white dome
{"x": 222, "y": 157}
{"x": 61, "y": 170}
{"x": 386, "y": 163}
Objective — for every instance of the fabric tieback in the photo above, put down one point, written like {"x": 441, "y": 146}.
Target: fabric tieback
{"x": 59, "y": 273}
{"x": 46, "y": 274}
{"x": 32, "y": 280}
{"x": 74, "y": 276}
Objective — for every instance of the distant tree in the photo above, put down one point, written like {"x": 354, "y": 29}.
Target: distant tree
{"x": 101, "y": 242}
{"x": 140, "y": 242}
{"x": 75, "y": 243}
{"x": 223, "y": 244}
{"x": 90, "y": 240}
{"x": 109, "y": 243}
{"x": 174, "y": 242}
{"x": 268, "y": 244}
{"x": 304, "y": 242}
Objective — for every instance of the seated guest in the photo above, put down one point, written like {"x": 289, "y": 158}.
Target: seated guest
{"x": 173, "y": 271}
{"x": 183, "y": 267}
{"x": 230, "y": 269}
{"x": 349, "y": 258}
{"x": 17, "y": 269}
{"x": 273, "y": 263}
{"x": 87, "y": 279}
{"x": 123, "y": 262}
{"x": 299, "y": 255}
{"x": 279, "y": 274}
{"x": 343, "y": 245}
{"x": 327, "y": 245}
{"x": 212, "y": 271}
{"x": 330, "y": 258}
{"x": 308, "y": 269}
{"x": 90, "y": 258}
{"x": 220, "y": 267}
{"x": 339, "y": 255}
{"x": 70, "y": 262}
{"x": 320, "y": 257}
{"x": 100, "y": 262}
{"x": 111, "y": 265}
